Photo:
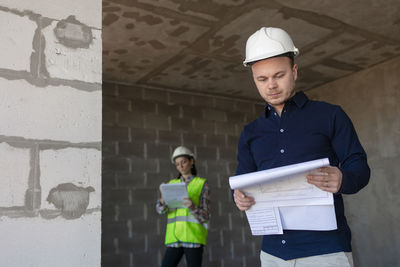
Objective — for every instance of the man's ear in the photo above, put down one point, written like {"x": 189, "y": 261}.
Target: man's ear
{"x": 294, "y": 69}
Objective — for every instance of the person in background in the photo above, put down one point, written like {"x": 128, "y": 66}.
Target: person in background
{"x": 187, "y": 228}
{"x": 294, "y": 129}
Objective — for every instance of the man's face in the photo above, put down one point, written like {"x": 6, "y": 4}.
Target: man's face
{"x": 275, "y": 80}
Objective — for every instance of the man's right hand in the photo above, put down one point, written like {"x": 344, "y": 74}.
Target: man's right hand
{"x": 242, "y": 201}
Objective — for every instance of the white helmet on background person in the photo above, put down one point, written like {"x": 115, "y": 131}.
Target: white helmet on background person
{"x": 268, "y": 42}
{"x": 181, "y": 151}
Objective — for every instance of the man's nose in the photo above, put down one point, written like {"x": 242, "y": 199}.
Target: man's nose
{"x": 272, "y": 83}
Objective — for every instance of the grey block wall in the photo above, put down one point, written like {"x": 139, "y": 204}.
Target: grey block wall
{"x": 141, "y": 127}
{"x": 371, "y": 99}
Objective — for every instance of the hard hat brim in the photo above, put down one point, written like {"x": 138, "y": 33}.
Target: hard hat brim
{"x": 268, "y": 55}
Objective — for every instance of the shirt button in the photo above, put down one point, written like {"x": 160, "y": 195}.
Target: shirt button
{"x": 281, "y": 130}
{"x": 283, "y": 242}
{"x": 282, "y": 151}
{"x": 275, "y": 113}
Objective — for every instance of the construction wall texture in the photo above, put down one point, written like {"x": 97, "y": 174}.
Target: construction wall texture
{"x": 371, "y": 99}
{"x": 141, "y": 127}
{"x": 50, "y": 132}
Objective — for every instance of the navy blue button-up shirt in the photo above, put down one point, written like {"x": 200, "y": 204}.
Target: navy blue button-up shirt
{"x": 306, "y": 130}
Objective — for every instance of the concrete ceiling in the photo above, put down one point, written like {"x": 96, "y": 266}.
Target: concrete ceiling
{"x": 198, "y": 45}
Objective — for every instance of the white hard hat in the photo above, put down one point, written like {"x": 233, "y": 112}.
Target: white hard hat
{"x": 181, "y": 151}
{"x": 268, "y": 42}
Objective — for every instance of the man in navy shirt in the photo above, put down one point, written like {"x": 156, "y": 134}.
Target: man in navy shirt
{"x": 295, "y": 129}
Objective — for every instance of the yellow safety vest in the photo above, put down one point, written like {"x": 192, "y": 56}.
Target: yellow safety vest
{"x": 182, "y": 226}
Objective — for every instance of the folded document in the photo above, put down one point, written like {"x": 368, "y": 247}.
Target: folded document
{"x": 285, "y": 200}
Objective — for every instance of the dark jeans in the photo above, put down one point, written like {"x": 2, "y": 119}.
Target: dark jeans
{"x": 174, "y": 255}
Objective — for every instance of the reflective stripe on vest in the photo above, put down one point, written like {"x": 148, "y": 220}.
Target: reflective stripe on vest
{"x": 186, "y": 219}
{"x": 182, "y": 226}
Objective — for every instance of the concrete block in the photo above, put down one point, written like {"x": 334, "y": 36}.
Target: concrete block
{"x": 130, "y": 180}
{"x": 127, "y": 149}
{"x": 109, "y": 149}
{"x": 178, "y": 98}
{"x": 233, "y": 140}
{"x": 115, "y": 163}
{"x": 203, "y": 101}
{"x": 120, "y": 259}
{"x": 115, "y": 104}
{"x": 143, "y": 135}
{"x": 108, "y": 247}
{"x": 89, "y": 11}
{"x": 204, "y": 126}
{"x": 109, "y": 89}
{"x": 206, "y": 152}
{"x": 113, "y": 133}
{"x": 253, "y": 260}
{"x": 129, "y": 212}
{"x": 160, "y": 122}
{"x": 81, "y": 167}
{"x": 192, "y": 139}
{"x": 155, "y": 151}
{"x": 225, "y": 104}
{"x": 129, "y": 92}
{"x": 225, "y": 128}
{"x": 115, "y": 229}
{"x": 116, "y": 196}
{"x": 109, "y": 213}
{"x": 136, "y": 242}
{"x": 215, "y": 140}
{"x": 168, "y": 109}
{"x": 131, "y": 119}
{"x": 155, "y": 179}
{"x": 217, "y": 253}
{"x": 144, "y": 106}
{"x": 259, "y": 109}
{"x": 46, "y": 113}
{"x": 144, "y": 195}
{"x": 109, "y": 118}
{"x": 167, "y": 137}
{"x": 143, "y": 259}
{"x": 108, "y": 179}
{"x": 16, "y": 49}
{"x": 71, "y": 243}
{"x": 236, "y": 116}
{"x": 142, "y": 165}
{"x": 70, "y": 62}
{"x": 222, "y": 194}
{"x": 191, "y": 112}
{"x": 184, "y": 125}
{"x": 227, "y": 154}
{"x": 156, "y": 95}
{"x": 14, "y": 177}
{"x": 214, "y": 115}
{"x": 245, "y": 107}
{"x": 232, "y": 166}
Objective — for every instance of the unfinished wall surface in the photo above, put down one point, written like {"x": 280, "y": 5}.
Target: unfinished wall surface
{"x": 371, "y": 99}
{"x": 50, "y": 133}
{"x": 141, "y": 127}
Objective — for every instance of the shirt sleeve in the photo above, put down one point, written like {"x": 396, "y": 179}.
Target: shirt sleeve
{"x": 245, "y": 157}
{"x": 352, "y": 157}
{"x": 202, "y": 211}
{"x": 161, "y": 208}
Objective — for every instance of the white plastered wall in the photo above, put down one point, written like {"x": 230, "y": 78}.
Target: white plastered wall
{"x": 50, "y": 131}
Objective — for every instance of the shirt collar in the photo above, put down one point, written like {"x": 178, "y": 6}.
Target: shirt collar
{"x": 299, "y": 99}
{"x": 188, "y": 179}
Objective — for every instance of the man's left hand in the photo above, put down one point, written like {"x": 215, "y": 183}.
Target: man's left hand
{"x": 328, "y": 179}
